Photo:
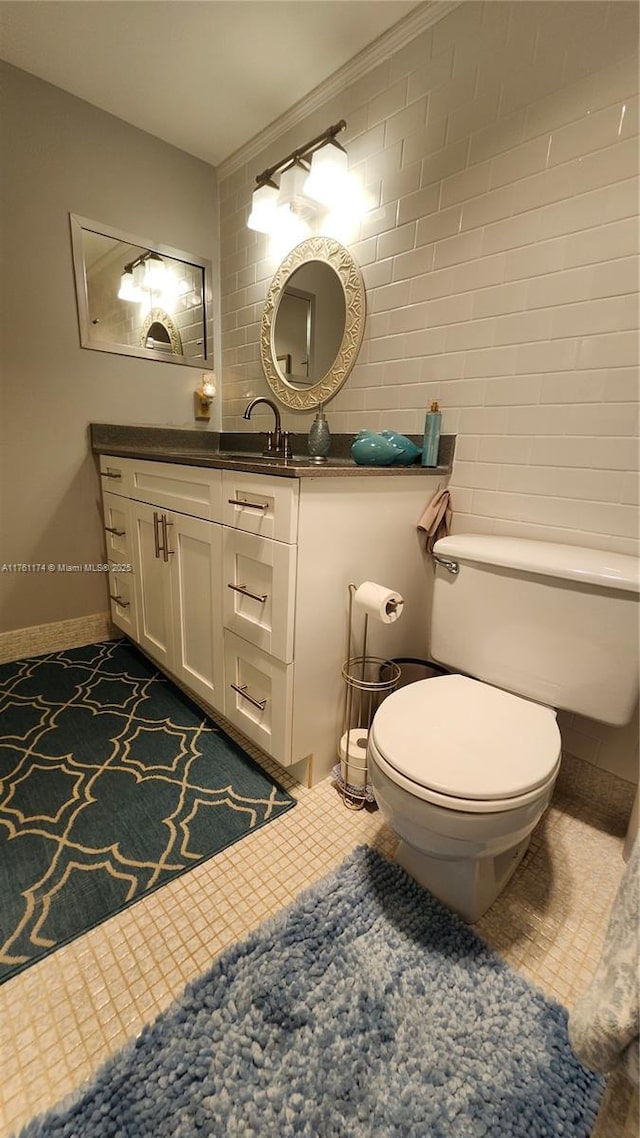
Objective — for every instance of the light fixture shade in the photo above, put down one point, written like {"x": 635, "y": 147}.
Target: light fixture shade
{"x": 128, "y": 290}
{"x": 263, "y": 206}
{"x": 292, "y": 183}
{"x": 328, "y": 174}
{"x": 289, "y": 229}
{"x": 155, "y": 273}
{"x": 139, "y": 276}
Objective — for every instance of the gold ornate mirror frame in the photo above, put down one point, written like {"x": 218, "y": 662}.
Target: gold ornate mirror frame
{"x": 340, "y": 260}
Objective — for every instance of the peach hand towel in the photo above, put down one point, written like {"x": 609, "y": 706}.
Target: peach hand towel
{"x": 437, "y": 518}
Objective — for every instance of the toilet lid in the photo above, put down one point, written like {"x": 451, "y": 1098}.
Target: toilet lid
{"x": 466, "y": 739}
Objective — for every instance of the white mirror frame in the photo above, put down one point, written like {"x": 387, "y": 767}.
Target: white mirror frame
{"x": 78, "y": 224}
{"x": 340, "y": 260}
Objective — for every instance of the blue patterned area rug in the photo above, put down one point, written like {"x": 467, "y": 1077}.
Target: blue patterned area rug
{"x": 366, "y": 1010}
{"x": 112, "y": 782}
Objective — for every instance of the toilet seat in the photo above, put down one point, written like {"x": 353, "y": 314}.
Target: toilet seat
{"x": 465, "y": 745}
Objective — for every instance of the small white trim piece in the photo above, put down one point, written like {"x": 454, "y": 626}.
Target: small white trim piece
{"x": 39, "y": 639}
{"x": 384, "y": 46}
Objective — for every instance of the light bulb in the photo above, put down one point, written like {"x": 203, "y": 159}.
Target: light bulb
{"x": 128, "y": 290}
{"x": 155, "y": 273}
{"x": 289, "y": 230}
{"x": 328, "y": 174}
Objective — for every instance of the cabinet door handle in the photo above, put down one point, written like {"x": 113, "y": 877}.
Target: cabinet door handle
{"x": 166, "y": 552}
{"x": 156, "y": 533}
{"x": 116, "y": 532}
{"x": 119, "y": 601}
{"x": 259, "y": 703}
{"x": 262, "y": 597}
{"x": 111, "y": 474}
{"x": 251, "y": 505}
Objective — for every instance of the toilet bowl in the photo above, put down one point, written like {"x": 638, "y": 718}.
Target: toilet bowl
{"x": 462, "y": 771}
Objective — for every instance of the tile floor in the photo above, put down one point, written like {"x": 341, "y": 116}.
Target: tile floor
{"x": 63, "y": 1016}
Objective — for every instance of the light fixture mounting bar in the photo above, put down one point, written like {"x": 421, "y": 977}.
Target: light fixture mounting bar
{"x": 301, "y": 152}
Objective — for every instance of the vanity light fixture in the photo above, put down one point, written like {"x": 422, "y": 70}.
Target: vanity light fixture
{"x": 310, "y": 177}
{"x": 148, "y": 273}
{"x": 203, "y": 396}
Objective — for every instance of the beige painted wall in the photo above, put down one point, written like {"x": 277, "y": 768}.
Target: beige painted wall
{"x": 500, "y": 148}
{"x": 59, "y": 156}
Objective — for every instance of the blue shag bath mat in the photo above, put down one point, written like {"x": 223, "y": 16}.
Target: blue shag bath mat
{"x": 366, "y": 1010}
{"x": 112, "y": 782}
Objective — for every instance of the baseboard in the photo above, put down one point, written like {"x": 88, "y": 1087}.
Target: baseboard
{"x": 56, "y": 637}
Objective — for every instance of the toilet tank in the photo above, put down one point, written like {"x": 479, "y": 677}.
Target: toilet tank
{"x": 554, "y": 623}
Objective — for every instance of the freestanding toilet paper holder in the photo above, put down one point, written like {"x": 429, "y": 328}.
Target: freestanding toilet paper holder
{"x": 368, "y": 680}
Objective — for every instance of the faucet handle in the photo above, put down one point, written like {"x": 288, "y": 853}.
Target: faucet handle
{"x": 287, "y": 452}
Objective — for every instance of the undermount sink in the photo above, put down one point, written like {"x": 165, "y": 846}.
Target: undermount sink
{"x": 243, "y": 456}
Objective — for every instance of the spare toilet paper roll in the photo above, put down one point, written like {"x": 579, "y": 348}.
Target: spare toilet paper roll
{"x": 379, "y": 602}
{"x": 355, "y": 772}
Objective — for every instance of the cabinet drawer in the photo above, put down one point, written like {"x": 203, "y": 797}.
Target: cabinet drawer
{"x": 122, "y": 600}
{"x": 258, "y": 696}
{"x": 258, "y": 596}
{"x": 115, "y": 475}
{"x": 193, "y": 490}
{"x": 260, "y": 504}
{"x": 117, "y": 526}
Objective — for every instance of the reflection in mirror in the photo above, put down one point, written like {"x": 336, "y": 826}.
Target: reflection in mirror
{"x": 313, "y": 323}
{"x": 140, "y": 301}
{"x": 309, "y": 323}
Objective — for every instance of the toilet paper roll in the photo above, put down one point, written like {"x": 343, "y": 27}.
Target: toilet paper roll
{"x": 379, "y": 602}
{"x": 354, "y": 745}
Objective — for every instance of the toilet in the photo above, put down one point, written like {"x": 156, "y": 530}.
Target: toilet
{"x": 463, "y": 765}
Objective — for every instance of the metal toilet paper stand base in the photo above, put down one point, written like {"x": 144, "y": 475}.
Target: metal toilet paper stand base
{"x": 368, "y": 679}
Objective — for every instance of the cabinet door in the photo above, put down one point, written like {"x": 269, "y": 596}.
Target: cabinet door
{"x": 152, "y": 585}
{"x": 260, "y": 504}
{"x": 117, "y": 525}
{"x": 195, "y": 557}
{"x": 259, "y": 578}
{"x": 122, "y": 597}
{"x": 259, "y": 696}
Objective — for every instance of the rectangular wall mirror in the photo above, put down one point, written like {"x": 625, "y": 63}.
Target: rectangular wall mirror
{"x": 139, "y": 298}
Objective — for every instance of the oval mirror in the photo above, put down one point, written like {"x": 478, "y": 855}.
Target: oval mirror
{"x": 312, "y": 323}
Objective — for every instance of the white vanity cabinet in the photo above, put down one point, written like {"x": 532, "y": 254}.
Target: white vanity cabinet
{"x": 241, "y": 589}
{"x": 176, "y": 559}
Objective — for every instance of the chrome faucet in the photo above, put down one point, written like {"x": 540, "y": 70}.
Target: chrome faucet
{"x": 277, "y": 440}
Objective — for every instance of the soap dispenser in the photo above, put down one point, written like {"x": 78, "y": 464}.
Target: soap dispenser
{"x": 319, "y": 438}
{"x": 432, "y": 422}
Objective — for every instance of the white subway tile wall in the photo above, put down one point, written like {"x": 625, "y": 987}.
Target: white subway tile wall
{"x": 500, "y": 150}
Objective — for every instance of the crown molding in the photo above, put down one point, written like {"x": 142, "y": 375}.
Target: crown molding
{"x": 384, "y": 46}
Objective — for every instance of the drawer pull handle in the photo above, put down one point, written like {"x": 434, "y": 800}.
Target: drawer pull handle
{"x": 156, "y": 533}
{"x": 111, "y": 474}
{"x": 262, "y": 597}
{"x": 119, "y": 601}
{"x": 166, "y": 552}
{"x": 116, "y": 532}
{"x": 251, "y": 505}
{"x": 259, "y": 703}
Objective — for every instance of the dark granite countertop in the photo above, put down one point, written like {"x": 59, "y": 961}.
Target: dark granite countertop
{"x": 243, "y": 451}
